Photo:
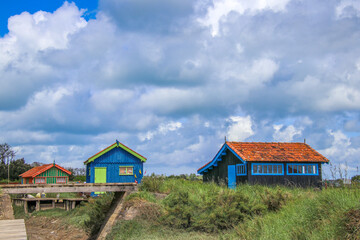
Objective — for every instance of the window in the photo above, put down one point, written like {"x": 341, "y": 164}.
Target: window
{"x": 240, "y": 169}
{"x": 302, "y": 169}
{"x": 126, "y": 170}
{"x": 267, "y": 169}
{"x": 61, "y": 180}
{"x": 39, "y": 180}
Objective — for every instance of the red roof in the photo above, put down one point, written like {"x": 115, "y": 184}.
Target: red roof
{"x": 274, "y": 152}
{"x": 40, "y": 169}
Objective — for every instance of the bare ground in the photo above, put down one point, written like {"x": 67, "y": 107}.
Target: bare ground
{"x": 43, "y": 228}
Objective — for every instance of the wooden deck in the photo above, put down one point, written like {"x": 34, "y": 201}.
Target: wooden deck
{"x": 12, "y": 230}
{"x": 74, "y": 187}
{"x": 48, "y": 203}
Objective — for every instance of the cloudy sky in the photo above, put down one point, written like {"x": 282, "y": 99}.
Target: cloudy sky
{"x": 172, "y": 78}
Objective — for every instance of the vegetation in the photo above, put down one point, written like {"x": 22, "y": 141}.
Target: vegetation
{"x": 193, "y": 210}
{"x": 9, "y": 166}
{"x": 181, "y": 208}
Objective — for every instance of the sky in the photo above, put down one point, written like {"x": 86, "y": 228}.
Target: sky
{"x": 170, "y": 79}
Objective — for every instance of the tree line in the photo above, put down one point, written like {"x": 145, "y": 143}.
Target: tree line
{"x": 12, "y": 167}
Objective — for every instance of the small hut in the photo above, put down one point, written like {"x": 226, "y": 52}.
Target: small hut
{"x": 46, "y": 174}
{"x": 115, "y": 164}
{"x": 265, "y": 163}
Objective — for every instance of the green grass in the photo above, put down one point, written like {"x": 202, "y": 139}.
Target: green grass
{"x": 315, "y": 215}
{"x": 194, "y": 210}
{"x": 140, "y": 229}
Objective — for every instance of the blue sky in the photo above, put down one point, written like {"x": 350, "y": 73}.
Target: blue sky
{"x": 171, "y": 79}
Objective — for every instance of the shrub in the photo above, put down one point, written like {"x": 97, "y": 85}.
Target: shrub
{"x": 151, "y": 183}
{"x": 179, "y": 209}
{"x": 96, "y": 211}
{"x": 209, "y": 209}
{"x": 352, "y": 224}
{"x": 274, "y": 200}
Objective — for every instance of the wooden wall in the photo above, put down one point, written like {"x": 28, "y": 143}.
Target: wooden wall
{"x": 112, "y": 160}
{"x": 219, "y": 174}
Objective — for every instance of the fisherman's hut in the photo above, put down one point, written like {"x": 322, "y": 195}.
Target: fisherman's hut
{"x": 115, "y": 164}
{"x": 295, "y": 164}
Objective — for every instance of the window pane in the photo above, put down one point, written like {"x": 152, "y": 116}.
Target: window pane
{"x": 290, "y": 169}
{"x": 122, "y": 170}
{"x": 314, "y": 169}
{"x": 129, "y": 170}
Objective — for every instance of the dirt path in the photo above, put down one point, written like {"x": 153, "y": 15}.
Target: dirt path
{"x": 44, "y": 228}
{"x": 6, "y": 210}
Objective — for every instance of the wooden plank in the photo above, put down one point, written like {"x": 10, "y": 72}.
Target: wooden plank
{"x": 12, "y": 229}
{"x": 54, "y": 188}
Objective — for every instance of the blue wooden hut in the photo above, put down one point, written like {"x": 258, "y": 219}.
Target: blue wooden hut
{"x": 115, "y": 164}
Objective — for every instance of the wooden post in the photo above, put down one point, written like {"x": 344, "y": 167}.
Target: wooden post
{"x": 53, "y": 203}
{"x": 37, "y": 205}
{"x": 73, "y": 204}
{"x": 26, "y": 207}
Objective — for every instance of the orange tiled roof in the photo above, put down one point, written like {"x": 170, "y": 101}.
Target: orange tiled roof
{"x": 276, "y": 152}
{"x": 40, "y": 169}
{"x": 272, "y": 152}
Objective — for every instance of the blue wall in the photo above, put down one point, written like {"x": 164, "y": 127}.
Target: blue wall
{"x": 112, "y": 160}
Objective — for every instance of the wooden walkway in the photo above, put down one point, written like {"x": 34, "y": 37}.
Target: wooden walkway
{"x": 12, "y": 230}
{"x": 74, "y": 187}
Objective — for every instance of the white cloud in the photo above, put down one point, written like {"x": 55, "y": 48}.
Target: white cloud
{"x": 221, "y": 8}
{"x": 340, "y": 97}
{"x": 163, "y": 129}
{"x": 285, "y": 134}
{"x": 110, "y": 100}
{"x": 348, "y": 8}
{"x": 240, "y": 128}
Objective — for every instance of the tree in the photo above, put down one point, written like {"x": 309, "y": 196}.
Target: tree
{"x": 6, "y": 153}
{"x": 10, "y": 168}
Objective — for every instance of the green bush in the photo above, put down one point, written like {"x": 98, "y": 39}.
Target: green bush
{"x": 79, "y": 179}
{"x": 152, "y": 183}
{"x": 96, "y": 211}
{"x": 352, "y": 224}
{"x": 274, "y": 200}
{"x": 211, "y": 209}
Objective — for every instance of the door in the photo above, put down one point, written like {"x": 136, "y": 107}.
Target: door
{"x": 100, "y": 175}
{"x": 231, "y": 177}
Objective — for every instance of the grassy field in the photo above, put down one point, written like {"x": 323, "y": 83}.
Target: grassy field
{"x": 173, "y": 208}
{"x": 193, "y": 210}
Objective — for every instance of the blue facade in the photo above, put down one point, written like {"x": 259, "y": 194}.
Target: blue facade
{"x": 113, "y": 160}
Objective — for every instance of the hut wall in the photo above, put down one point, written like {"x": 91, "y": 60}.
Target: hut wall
{"x": 52, "y": 174}
{"x": 219, "y": 174}
{"x": 112, "y": 160}
{"x": 291, "y": 180}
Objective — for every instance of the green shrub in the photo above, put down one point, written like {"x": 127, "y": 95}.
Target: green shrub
{"x": 179, "y": 209}
{"x": 151, "y": 183}
{"x": 274, "y": 200}
{"x": 96, "y": 211}
{"x": 351, "y": 223}
{"x": 79, "y": 179}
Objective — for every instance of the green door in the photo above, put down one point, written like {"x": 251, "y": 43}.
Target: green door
{"x": 100, "y": 175}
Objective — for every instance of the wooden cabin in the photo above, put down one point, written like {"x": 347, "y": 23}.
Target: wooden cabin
{"x": 46, "y": 174}
{"x": 115, "y": 164}
{"x": 294, "y": 164}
